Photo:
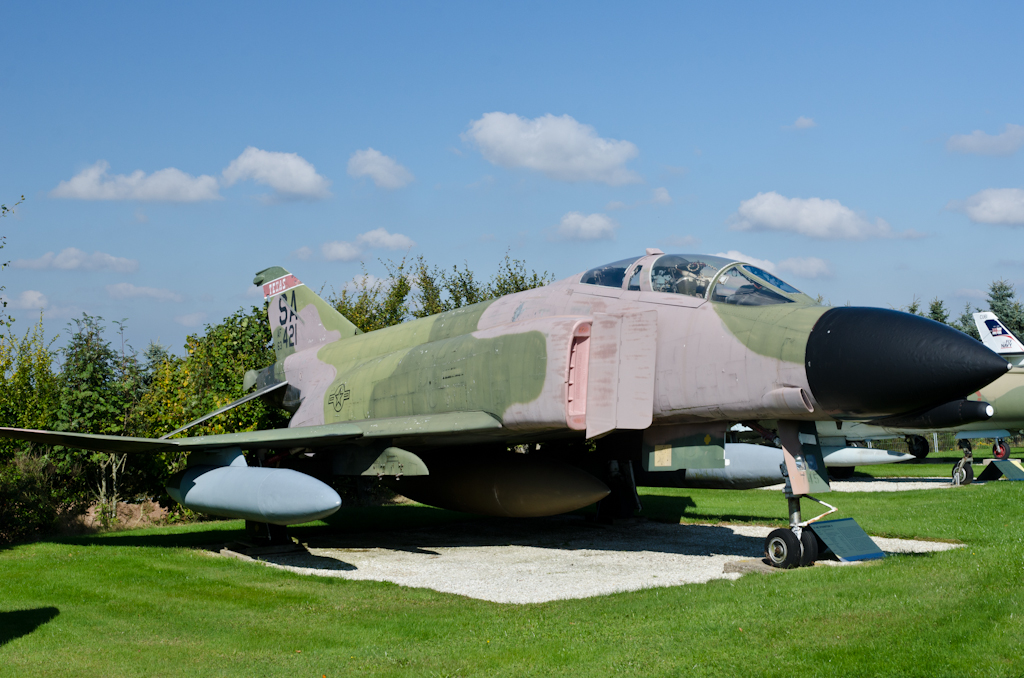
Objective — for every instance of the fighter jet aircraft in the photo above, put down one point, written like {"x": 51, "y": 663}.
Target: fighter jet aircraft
{"x": 1005, "y": 395}
{"x": 637, "y": 365}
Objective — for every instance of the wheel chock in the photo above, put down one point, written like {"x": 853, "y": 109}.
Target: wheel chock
{"x": 845, "y": 538}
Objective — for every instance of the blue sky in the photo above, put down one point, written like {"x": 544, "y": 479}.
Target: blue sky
{"x": 869, "y": 153}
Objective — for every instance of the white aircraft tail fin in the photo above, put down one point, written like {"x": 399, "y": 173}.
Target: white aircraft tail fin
{"x": 1001, "y": 340}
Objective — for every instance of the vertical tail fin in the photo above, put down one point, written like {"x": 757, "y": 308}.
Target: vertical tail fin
{"x": 299, "y": 318}
{"x": 1001, "y": 340}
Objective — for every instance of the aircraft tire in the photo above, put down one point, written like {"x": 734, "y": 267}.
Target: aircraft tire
{"x": 809, "y": 541}
{"x": 966, "y": 472}
{"x": 1001, "y": 450}
{"x": 782, "y": 549}
{"x": 918, "y": 446}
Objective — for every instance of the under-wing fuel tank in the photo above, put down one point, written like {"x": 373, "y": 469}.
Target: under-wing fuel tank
{"x": 510, "y": 485}
{"x": 265, "y": 495}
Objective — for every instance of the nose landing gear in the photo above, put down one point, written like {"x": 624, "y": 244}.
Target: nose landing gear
{"x": 963, "y": 471}
{"x": 804, "y": 470}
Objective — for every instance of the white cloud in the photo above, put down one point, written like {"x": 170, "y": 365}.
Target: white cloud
{"x": 616, "y": 205}
{"x": 191, "y": 319}
{"x": 993, "y": 206}
{"x": 339, "y": 250}
{"x": 379, "y": 237}
{"x": 128, "y": 291}
{"x": 560, "y": 147}
{"x": 579, "y": 226}
{"x": 72, "y": 259}
{"x": 289, "y": 174}
{"x": 30, "y": 299}
{"x": 802, "y": 123}
{"x": 812, "y": 217}
{"x": 385, "y": 171}
{"x": 366, "y": 281}
{"x": 980, "y": 143}
{"x": 806, "y": 267}
{"x": 965, "y": 293}
{"x": 302, "y": 254}
{"x": 740, "y": 256}
{"x": 343, "y": 250}
{"x": 661, "y": 197}
{"x": 171, "y": 185}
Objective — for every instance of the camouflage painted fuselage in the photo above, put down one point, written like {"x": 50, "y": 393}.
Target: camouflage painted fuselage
{"x": 675, "y": 345}
{"x": 553, "y": 359}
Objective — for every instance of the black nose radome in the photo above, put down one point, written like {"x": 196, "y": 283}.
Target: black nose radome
{"x": 872, "y": 362}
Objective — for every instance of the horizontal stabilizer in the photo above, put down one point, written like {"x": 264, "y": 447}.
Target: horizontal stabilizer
{"x": 313, "y": 437}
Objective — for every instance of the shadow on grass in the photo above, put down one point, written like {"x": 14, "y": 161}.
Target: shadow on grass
{"x": 673, "y": 509}
{"x": 418, "y": 529}
{"x": 355, "y": 520}
{"x": 18, "y": 623}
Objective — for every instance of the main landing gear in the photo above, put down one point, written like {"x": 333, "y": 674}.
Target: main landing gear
{"x": 1001, "y": 449}
{"x": 918, "y": 446}
{"x": 963, "y": 472}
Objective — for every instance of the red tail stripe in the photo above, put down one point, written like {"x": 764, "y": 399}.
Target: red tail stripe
{"x": 280, "y": 285}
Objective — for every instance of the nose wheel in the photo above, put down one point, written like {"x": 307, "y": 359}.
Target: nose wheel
{"x": 963, "y": 470}
{"x": 783, "y": 549}
{"x": 796, "y": 546}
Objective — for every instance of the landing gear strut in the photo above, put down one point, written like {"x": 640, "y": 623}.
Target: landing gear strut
{"x": 798, "y": 545}
{"x": 804, "y": 471}
{"x": 267, "y": 534}
{"x": 624, "y": 501}
{"x": 963, "y": 471}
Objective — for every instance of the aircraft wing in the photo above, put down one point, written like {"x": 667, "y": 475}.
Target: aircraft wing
{"x": 446, "y": 425}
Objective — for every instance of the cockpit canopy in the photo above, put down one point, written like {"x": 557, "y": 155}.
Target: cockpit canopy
{"x": 697, "y": 275}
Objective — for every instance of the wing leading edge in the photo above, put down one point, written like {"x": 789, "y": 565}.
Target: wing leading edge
{"x": 448, "y": 424}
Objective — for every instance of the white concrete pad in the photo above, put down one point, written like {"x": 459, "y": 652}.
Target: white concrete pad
{"x": 550, "y": 559}
{"x": 881, "y": 484}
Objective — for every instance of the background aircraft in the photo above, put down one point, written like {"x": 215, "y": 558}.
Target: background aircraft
{"x": 636, "y": 366}
{"x": 1005, "y": 394}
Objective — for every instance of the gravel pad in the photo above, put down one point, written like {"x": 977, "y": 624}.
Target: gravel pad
{"x": 881, "y": 484}
{"x": 536, "y": 561}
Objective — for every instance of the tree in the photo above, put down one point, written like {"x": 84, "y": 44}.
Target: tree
{"x": 418, "y": 290}
{"x": 6, "y": 320}
{"x": 440, "y": 291}
{"x": 937, "y": 311}
{"x": 1002, "y": 300}
{"x": 210, "y": 376}
{"x": 965, "y": 323}
{"x": 100, "y": 392}
{"x": 915, "y": 306}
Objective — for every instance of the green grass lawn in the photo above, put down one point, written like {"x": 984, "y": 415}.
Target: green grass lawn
{"x": 148, "y": 603}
